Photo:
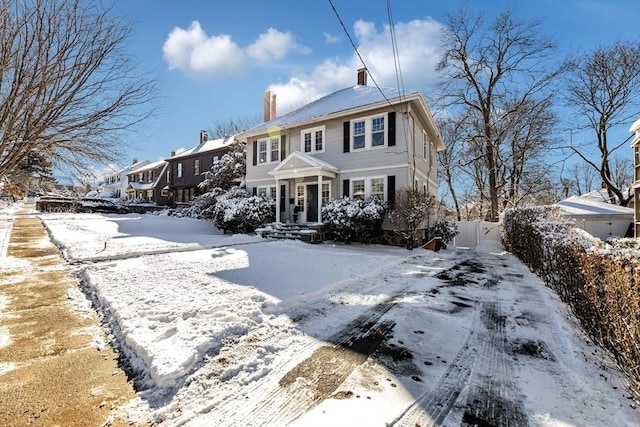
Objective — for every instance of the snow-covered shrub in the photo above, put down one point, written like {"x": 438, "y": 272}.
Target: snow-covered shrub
{"x": 354, "y": 219}
{"x": 410, "y": 213}
{"x": 237, "y": 212}
{"x": 444, "y": 229}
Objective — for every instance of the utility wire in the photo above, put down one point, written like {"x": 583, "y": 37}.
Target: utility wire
{"x": 344, "y": 28}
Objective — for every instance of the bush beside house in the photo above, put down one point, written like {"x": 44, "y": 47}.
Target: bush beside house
{"x": 599, "y": 281}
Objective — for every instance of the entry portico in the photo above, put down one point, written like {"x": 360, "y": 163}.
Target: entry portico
{"x": 312, "y": 177}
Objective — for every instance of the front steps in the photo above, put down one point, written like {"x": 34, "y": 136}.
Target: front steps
{"x": 308, "y": 233}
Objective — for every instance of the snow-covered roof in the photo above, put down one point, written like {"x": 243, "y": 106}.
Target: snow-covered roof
{"x": 581, "y": 207}
{"x": 210, "y": 145}
{"x": 67, "y": 181}
{"x": 141, "y": 185}
{"x": 148, "y": 166}
{"x": 635, "y": 127}
{"x": 342, "y": 100}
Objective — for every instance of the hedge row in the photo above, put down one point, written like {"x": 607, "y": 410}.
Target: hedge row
{"x": 599, "y": 281}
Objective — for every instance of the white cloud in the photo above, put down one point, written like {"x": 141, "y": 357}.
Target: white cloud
{"x": 330, "y": 38}
{"x": 418, "y": 52}
{"x": 200, "y": 55}
{"x": 274, "y": 46}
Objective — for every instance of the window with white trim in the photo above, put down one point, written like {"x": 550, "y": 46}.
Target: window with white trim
{"x": 369, "y": 132}
{"x": 168, "y": 176}
{"x": 367, "y": 188}
{"x": 140, "y": 176}
{"x": 312, "y": 140}
{"x": 326, "y": 193}
{"x": 268, "y": 191}
{"x": 269, "y": 150}
{"x": 196, "y": 167}
{"x": 179, "y": 174}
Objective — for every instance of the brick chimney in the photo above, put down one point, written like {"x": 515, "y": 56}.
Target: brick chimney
{"x": 362, "y": 77}
{"x": 134, "y": 161}
{"x": 173, "y": 153}
{"x": 269, "y": 106}
{"x": 203, "y": 136}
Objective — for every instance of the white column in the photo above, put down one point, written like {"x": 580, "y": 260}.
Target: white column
{"x": 319, "y": 198}
{"x": 277, "y": 200}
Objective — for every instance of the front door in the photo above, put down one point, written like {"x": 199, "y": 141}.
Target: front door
{"x": 312, "y": 203}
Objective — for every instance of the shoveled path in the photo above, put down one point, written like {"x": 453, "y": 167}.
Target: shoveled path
{"x": 55, "y": 369}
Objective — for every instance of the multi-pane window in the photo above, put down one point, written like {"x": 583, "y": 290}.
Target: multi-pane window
{"x": 179, "y": 174}
{"x": 196, "y": 167}
{"x": 269, "y": 150}
{"x": 141, "y": 177}
{"x": 267, "y": 192}
{"x": 368, "y": 133}
{"x": 366, "y": 188}
{"x": 275, "y": 149}
{"x": 357, "y": 188}
{"x": 377, "y": 131}
{"x": 377, "y": 188}
{"x": 150, "y": 175}
{"x": 313, "y": 140}
{"x": 262, "y": 151}
{"x": 358, "y": 134}
{"x": 300, "y": 198}
{"x": 326, "y": 193}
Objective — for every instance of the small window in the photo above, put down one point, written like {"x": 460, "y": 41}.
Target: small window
{"x": 275, "y": 149}
{"x": 357, "y": 188}
{"x": 377, "y": 132}
{"x": 262, "y": 151}
{"x": 326, "y": 193}
{"x": 358, "y": 135}
{"x": 141, "y": 177}
{"x": 377, "y": 188}
{"x": 307, "y": 142}
{"x": 196, "y": 167}
{"x": 179, "y": 174}
{"x": 168, "y": 176}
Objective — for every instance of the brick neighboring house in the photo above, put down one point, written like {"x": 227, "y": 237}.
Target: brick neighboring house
{"x": 360, "y": 141}
{"x": 115, "y": 184}
{"x": 635, "y": 144}
{"x": 186, "y": 169}
{"x": 149, "y": 182}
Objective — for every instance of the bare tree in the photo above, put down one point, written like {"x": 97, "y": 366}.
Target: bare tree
{"x": 68, "y": 91}
{"x": 496, "y": 71}
{"x": 222, "y": 129}
{"x": 449, "y": 161}
{"x": 583, "y": 179}
{"x": 411, "y": 211}
{"x": 605, "y": 89}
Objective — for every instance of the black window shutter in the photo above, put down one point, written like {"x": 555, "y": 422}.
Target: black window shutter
{"x": 346, "y": 138}
{"x": 391, "y": 190}
{"x": 391, "y": 138}
{"x": 254, "y": 190}
{"x": 283, "y": 147}
{"x": 283, "y": 198}
{"x": 255, "y": 153}
{"x": 345, "y": 188}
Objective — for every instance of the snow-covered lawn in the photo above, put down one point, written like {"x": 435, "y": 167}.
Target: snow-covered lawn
{"x": 239, "y": 330}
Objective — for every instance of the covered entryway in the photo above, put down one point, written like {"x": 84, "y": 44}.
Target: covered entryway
{"x": 306, "y": 200}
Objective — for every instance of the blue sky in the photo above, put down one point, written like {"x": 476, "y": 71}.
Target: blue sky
{"x": 215, "y": 59}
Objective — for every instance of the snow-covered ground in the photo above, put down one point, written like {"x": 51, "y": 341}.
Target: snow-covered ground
{"x": 238, "y": 330}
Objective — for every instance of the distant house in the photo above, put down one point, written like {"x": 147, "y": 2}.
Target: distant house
{"x": 67, "y": 185}
{"x": 115, "y": 183}
{"x": 361, "y": 142}
{"x": 186, "y": 169}
{"x": 635, "y": 145}
{"x": 149, "y": 182}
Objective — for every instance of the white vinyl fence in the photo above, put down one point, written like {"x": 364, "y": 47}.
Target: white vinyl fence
{"x": 472, "y": 233}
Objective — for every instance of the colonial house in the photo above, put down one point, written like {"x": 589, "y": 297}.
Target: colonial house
{"x": 149, "y": 182}
{"x": 186, "y": 169}
{"x": 362, "y": 141}
{"x": 115, "y": 183}
{"x": 635, "y": 145}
